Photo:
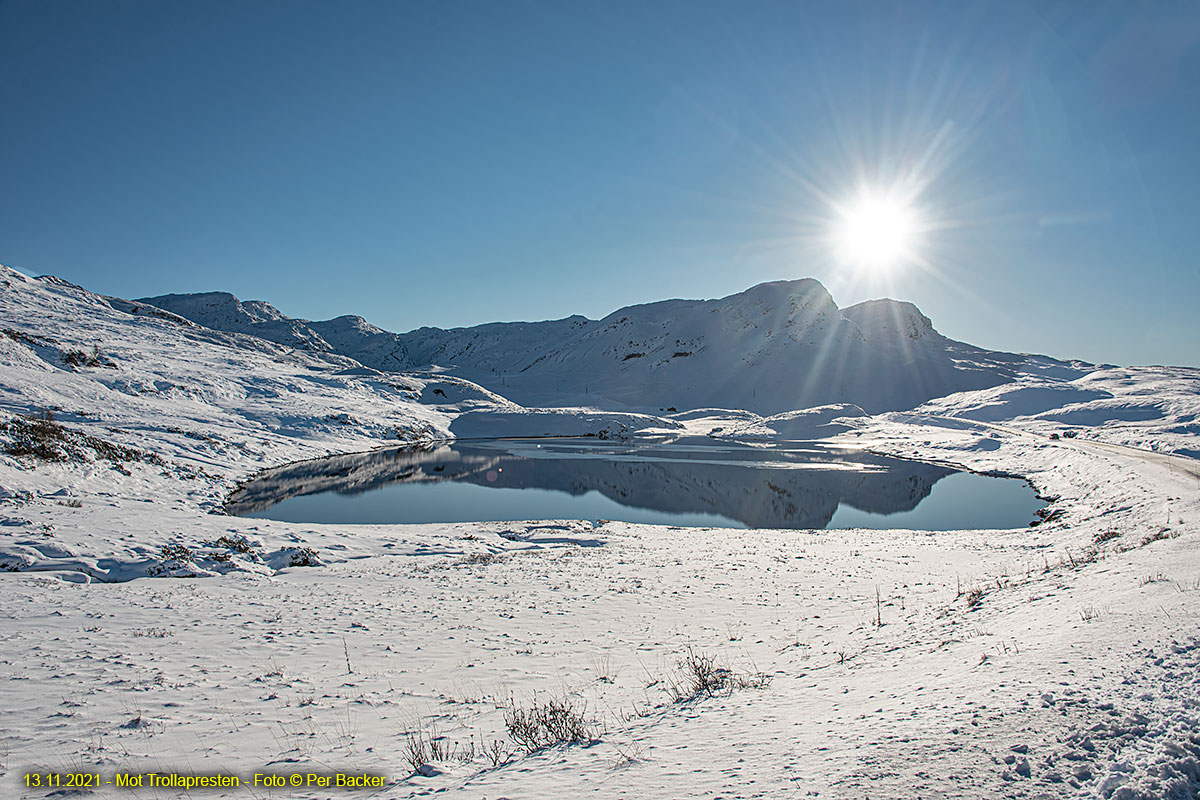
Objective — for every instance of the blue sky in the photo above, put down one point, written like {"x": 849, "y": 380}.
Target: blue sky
{"x": 449, "y": 163}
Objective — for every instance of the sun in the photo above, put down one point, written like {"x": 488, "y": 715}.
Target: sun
{"x": 876, "y": 232}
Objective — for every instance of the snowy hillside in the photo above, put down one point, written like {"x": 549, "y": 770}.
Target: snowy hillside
{"x": 349, "y": 336}
{"x": 131, "y": 388}
{"x": 1052, "y": 661}
{"x": 775, "y": 347}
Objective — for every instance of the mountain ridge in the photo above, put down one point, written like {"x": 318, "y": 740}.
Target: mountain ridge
{"x": 773, "y": 347}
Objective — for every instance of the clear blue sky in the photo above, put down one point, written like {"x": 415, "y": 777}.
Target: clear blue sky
{"x": 450, "y": 163}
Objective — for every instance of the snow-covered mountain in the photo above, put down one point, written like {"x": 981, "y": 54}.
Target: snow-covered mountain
{"x": 349, "y": 335}
{"x": 775, "y": 347}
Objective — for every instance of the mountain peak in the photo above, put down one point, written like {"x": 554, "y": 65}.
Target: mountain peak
{"x": 890, "y": 320}
{"x": 778, "y": 293}
{"x": 223, "y": 304}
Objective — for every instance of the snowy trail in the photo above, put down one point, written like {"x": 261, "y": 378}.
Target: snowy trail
{"x": 1173, "y": 463}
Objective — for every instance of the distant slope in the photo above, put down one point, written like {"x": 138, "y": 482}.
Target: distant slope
{"x": 349, "y": 336}
{"x": 505, "y": 346}
{"x": 772, "y": 348}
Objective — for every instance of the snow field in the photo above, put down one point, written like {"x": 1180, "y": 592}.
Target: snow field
{"x": 1055, "y": 661}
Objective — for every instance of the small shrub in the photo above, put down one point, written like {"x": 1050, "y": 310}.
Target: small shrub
{"x": 177, "y": 552}
{"x": 305, "y": 557}
{"x": 420, "y": 748}
{"x": 41, "y": 437}
{"x": 1161, "y": 535}
{"x": 548, "y": 724}
{"x": 116, "y": 453}
{"x": 496, "y": 752}
{"x": 76, "y": 358}
{"x": 82, "y": 358}
{"x": 236, "y": 543}
{"x": 701, "y": 675}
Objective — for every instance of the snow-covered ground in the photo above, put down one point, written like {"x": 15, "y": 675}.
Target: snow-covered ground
{"x": 1055, "y": 661}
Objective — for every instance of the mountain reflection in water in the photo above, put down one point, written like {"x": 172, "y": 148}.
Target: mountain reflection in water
{"x": 794, "y": 485}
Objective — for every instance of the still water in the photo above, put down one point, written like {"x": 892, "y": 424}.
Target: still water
{"x": 717, "y": 484}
